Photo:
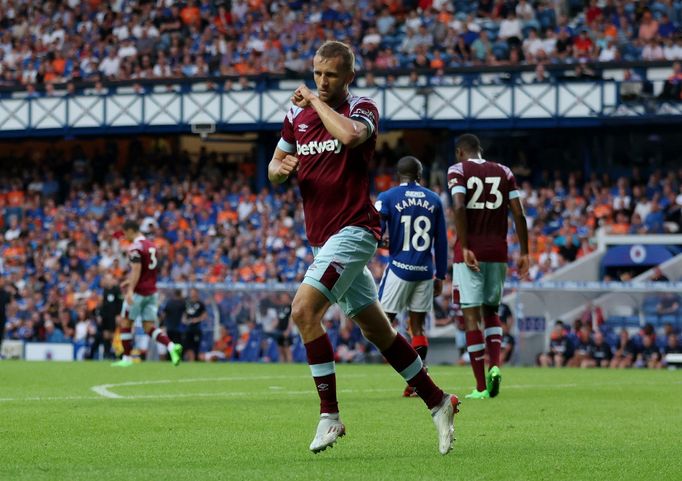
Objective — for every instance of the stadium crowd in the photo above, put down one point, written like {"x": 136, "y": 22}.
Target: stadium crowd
{"x": 61, "y": 227}
{"x": 584, "y": 345}
{"x": 50, "y": 42}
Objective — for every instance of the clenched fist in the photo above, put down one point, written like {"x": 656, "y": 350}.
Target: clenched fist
{"x": 302, "y": 96}
{"x": 287, "y": 166}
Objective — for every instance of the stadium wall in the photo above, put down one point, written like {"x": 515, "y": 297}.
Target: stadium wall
{"x": 560, "y": 104}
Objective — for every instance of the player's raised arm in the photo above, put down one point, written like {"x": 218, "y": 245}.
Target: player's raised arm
{"x": 519, "y": 217}
{"x": 334, "y": 70}
{"x": 281, "y": 166}
{"x": 348, "y": 131}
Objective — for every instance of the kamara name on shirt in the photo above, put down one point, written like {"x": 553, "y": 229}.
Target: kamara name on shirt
{"x": 418, "y": 202}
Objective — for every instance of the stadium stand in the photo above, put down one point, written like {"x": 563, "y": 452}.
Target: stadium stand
{"x": 47, "y": 43}
{"x": 61, "y": 232}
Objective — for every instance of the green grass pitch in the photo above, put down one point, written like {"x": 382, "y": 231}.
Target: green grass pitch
{"x": 88, "y": 421}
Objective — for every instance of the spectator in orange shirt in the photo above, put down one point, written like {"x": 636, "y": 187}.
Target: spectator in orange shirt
{"x": 222, "y": 348}
{"x": 583, "y": 45}
{"x": 223, "y": 20}
{"x": 16, "y": 196}
{"x": 437, "y": 61}
{"x": 59, "y": 63}
{"x": 382, "y": 182}
{"x": 621, "y": 225}
{"x": 190, "y": 15}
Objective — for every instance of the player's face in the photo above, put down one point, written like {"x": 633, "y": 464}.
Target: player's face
{"x": 129, "y": 235}
{"x": 331, "y": 79}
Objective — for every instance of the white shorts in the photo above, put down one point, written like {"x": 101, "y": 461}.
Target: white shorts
{"x": 396, "y": 294}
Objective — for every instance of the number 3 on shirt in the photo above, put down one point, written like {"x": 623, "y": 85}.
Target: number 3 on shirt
{"x": 152, "y": 258}
{"x": 477, "y": 184}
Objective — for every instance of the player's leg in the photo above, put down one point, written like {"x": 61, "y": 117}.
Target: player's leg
{"x": 336, "y": 265}
{"x": 192, "y": 342}
{"x": 545, "y": 360}
{"x": 107, "y": 337}
{"x": 360, "y": 303}
{"x": 419, "y": 304}
{"x": 589, "y": 362}
{"x": 493, "y": 334}
{"x": 282, "y": 347}
{"x": 559, "y": 360}
{"x": 494, "y": 274}
{"x": 150, "y": 316}
{"x": 393, "y": 295}
{"x": 307, "y": 309}
{"x": 125, "y": 327}
{"x": 419, "y": 342}
{"x": 405, "y": 360}
{"x": 158, "y": 335}
{"x": 357, "y": 296}
{"x": 471, "y": 298}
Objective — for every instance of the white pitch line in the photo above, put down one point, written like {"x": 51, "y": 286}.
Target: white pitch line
{"x": 52, "y": 398}
{"x": 104, "y": 390}
{"x": 104, "y": 393}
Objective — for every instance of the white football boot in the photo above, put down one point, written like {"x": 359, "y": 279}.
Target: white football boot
{"x": 329, "y": 430}
{"x": 443, "y": 417}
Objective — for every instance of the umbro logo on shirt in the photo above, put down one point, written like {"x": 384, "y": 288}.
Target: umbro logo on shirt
{"x": 302, "y": 127}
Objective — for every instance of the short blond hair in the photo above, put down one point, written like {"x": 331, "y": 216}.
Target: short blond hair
{"x": 333, "y": 49}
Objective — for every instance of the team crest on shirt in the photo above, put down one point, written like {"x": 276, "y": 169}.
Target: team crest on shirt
{"x": 302, "y": 127}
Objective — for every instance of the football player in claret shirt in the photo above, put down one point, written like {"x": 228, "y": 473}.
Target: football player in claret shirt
{"x": 483, "y": 193}
{"x": 141, "y": 299}
{"x": 413, "y": 217}
{"x": 328, "y": 140}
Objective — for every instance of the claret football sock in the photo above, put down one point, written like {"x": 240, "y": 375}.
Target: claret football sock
{"x": 493, "y": 338}
{"x": 476, "y": 349}
{"x": 321, "y": 360}
{"x": 126, "y": 340}
{"x": 407, "y": 362}
{"x": 158, "y": 335}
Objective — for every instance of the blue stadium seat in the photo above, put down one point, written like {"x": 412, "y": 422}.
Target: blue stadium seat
{"x": 251, "y": 352}
{"x": 492, "y": 34}
{"x": 271, "y": 350}
{"x": 298, "y": 350}
{"x": 616, "y": 323}
{"x": 529, "y": 25}
{"x": 501, "y": 50}
{"x": 658, "y": 9}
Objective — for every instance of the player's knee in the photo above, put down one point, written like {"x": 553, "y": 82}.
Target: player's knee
{"x": 301, "y": 313}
